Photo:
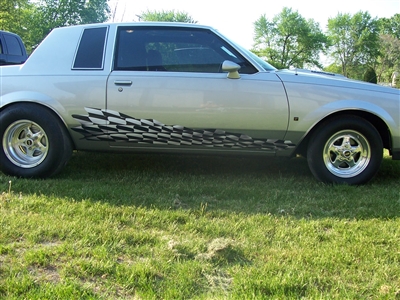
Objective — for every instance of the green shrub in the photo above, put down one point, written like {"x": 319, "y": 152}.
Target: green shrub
{"x": 396, "y": 80}
{"x": 370, "y": 75}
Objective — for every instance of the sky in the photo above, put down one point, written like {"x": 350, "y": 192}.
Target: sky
{"x": 235, "y": 19}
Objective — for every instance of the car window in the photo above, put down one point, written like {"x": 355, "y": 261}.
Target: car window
{"x": 13, "y": 45}
{"x": 175, "y": 50}
{"x": 91, "y": 49}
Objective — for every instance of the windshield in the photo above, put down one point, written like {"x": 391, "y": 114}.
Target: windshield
{"x": 260, "y": 61}
{"x": 266, "y": 66}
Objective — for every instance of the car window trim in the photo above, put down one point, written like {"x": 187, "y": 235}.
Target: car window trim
{"x": 104, "y": 51}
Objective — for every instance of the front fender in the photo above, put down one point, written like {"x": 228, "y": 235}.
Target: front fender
{"x": 298, "y": 130}
{"x": 331, "y": 108}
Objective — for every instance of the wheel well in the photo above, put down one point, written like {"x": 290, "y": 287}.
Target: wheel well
{"x": 62, "y": 123}
{"x": 377, "y": 122}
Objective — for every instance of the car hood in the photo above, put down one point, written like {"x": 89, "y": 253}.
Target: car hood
{"x": 330, "y": 79}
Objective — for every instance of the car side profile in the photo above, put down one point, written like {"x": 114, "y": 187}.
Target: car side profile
{"x": 185, "y": 88}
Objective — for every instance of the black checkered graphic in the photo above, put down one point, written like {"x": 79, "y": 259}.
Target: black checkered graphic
{"x": 112, "y": 126}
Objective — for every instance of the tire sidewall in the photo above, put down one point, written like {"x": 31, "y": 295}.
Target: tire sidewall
{"x": 326, "y": 131}
{"x": 50, "y": 125}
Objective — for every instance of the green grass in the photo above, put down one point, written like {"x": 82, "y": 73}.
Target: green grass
{"x": 121, "y": 226}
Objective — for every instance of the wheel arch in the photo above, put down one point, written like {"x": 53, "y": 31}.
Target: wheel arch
{"x": 375, "y": 120}
{"x": 46, "y": 106}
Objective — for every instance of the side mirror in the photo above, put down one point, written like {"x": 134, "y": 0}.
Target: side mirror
{"x": 232, "y": 69}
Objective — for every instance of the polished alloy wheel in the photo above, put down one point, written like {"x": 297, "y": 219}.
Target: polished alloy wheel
{"x": 347, "y": 153}
{"x": 25, "y": 143}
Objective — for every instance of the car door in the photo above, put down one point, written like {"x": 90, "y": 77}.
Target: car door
{"x": 167, "y": 89}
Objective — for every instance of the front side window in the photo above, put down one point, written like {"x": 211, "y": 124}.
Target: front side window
{"x": 175, "y": 50}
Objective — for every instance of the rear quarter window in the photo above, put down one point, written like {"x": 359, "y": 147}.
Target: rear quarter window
{"x": 90, "y": 52}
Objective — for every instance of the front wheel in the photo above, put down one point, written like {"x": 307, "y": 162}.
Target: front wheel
{"x": 34, "y": 141}
{"x": 345, "y": 150}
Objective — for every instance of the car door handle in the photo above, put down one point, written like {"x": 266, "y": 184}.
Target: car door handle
{"x": 123, "y": 82}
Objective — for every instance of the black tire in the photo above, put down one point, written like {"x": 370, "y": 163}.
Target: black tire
{"x": 34, "y": 141}
{"x": 347, "y": 149}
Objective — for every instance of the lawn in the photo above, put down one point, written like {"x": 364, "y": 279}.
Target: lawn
{"x": 123, "y": 226}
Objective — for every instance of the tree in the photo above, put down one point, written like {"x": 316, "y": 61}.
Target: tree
{"x": 166, "y": 16}
{"x": 11, "y": 14}
{"x": 59, "y": 13}
{"x": 333, "y": 68}
{"x": 389, "y": 58}
{"x": 370, "y": 75}
{"x": 354, "y": 40}
{"x": 34, "y": 19}
{"x": 19, "y": 16}
{"x": 389, "y": 40}
{"x": 390, "y": 26}
{"x": 289, "y": 40}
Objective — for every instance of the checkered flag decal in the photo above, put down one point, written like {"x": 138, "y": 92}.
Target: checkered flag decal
{"x": 112, "y": 126}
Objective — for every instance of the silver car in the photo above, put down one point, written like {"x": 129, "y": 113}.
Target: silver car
{"x": 185, "y": 88}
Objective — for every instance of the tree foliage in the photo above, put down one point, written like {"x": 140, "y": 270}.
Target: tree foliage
{"x": 289, "y": 40}
{"x": 390, "y": 26}
{"x": 14, "y": 14}
{"x": 389, "y": 40}
{"x": 354, "y": 41}
{"x": 389, "y": 58}
{"x": 11, "y": 14}
{"x": 59, "y": 13}
{"x": 20, "y": 17}
{"x": 370, "y": 75}
{"x": 333, "y": 68}
{"x": 34, "y": 19}
{"x": 166, "y": 16}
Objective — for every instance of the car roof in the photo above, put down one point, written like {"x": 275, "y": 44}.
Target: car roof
{"x": 138, "y": 24}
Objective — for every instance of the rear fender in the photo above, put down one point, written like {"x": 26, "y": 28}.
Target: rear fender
{"x": 33, "y": 97}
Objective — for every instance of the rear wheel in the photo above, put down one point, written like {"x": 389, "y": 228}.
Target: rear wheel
{"x": 34, "y": 141}
{"x": 345, "y": 150}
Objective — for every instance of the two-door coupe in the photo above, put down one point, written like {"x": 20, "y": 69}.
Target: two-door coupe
{"x": 185, "y": 88}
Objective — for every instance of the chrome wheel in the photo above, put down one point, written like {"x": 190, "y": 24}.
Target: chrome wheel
{"x": 347, "y": 154}
{"x": 25, "y": 143}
